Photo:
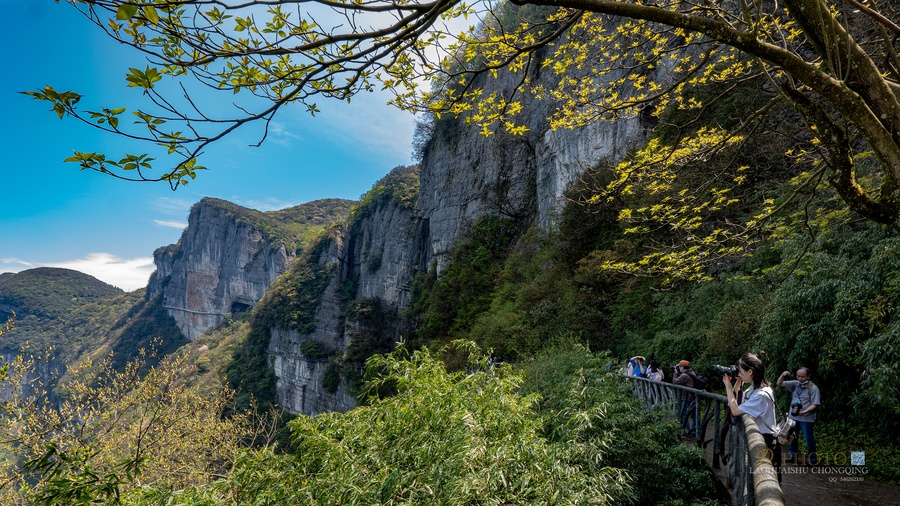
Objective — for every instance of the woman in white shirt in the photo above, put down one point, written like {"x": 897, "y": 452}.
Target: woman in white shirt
{"x": 655, "y": 373}
{"x": 759, "y": 402}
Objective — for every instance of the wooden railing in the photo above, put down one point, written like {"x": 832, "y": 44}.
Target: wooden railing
{"x": 737, "y": 442}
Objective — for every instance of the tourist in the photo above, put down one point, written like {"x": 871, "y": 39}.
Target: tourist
{"x": 805, "y": 400}
{"x": 636, "y": 367}
{"x": 759, "y": 402}
{"x": 685, "y": 377}
{"x": 655, "y": 372}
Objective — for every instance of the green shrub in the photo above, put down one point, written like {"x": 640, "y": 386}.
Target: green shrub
{"x": 583, "y": 402}
{"x": 248, "y": 373}
{"x": 314, "y": 349}
{"x": 150, "y": 323}
{"x": 372, "y": 329}
{"x": 444, "y": 438}
{"x": 463, "y": 290}
{"x": 400, "y": 185}
{"x": 331, "y": 378}
{"x": 836, "y": 439}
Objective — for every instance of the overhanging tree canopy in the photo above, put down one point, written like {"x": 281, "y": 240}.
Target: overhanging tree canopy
{"x": 834, "y": 63}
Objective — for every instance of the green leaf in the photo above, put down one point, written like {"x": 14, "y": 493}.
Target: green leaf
{"x": 126, "y": 12}
{"x": 151, "y": 14}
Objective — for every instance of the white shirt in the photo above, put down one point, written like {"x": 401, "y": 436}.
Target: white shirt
{"x": 760, "y": 405}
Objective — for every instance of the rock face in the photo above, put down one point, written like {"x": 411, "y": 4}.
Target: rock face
{"x": 221, "y": 265}
{"x": 385, "y": 251}
{"x": 466, "y": 175}
{"x": 463, "y": 176}
{"x": 300, "y": 378}
{"x": 44, "y": 375}
{"x": 379, "y": 256}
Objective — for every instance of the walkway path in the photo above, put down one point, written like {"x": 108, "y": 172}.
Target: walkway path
{"x": 802, "y": 487}
{"x": 808, "y": 489}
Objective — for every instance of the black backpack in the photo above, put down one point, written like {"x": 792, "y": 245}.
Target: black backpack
{"x": 700, "y": 382}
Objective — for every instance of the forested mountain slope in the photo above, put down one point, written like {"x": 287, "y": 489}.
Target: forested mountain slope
{"x": 44, "y": 298}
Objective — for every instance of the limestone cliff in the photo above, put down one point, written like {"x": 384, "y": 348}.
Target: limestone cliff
{"x": 466, "y": 175}
{"x": 300, "y": 357}
{"x": 390, "y": 241}
{"x": 228, "y": 256}
{"x": 40, "y": 379}
{"x": 344, "y": 298}
{"x": 358, "y": 279}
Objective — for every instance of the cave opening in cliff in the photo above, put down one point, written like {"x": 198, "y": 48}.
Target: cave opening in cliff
{"x": 238, "y": 307}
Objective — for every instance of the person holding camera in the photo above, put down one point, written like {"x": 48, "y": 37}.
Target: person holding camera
{"x": 805, "y": 400}
{"x": 636, "y": 367}
{"x": 759, "y": 402}
{"x": 729, "y": 418}
{"x": 684, "y": 376}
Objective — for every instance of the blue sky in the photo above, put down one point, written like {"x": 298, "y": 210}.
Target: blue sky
{"x": 53, "y": 214}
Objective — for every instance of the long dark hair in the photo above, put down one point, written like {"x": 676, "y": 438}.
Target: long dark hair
{"x": 752, "y": 363}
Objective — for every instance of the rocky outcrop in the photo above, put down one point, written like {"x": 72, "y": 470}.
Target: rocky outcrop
{"x": 221, "y": 265}
{"x": 385, "y": 252}
{"x": 463, "y": 176}
{"x": 300, "y": 377}
{"x": 376, "y": 258}
{"x": 391, "y": 239}
{"x": 40, "y": 377}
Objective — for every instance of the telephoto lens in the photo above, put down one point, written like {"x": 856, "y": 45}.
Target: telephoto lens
{"x": 729, "y": 370}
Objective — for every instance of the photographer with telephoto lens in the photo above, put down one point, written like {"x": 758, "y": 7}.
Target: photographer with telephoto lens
{"x": 805, "y": 401}
{"x": 759, "y": 402}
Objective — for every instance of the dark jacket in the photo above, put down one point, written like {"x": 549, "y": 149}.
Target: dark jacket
{"x": 686, "y": 380}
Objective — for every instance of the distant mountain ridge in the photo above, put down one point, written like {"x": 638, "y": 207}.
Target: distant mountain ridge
{"x": 294, "y": 226}
{"x": 77, "y": 315}
{"x": 60, "y": 309}
{"x": 64, "y": 316}
{"x": 50, "y": 291}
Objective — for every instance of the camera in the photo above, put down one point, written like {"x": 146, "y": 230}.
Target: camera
{"x": 729, "y": 370}
{"x": 795, "y": 408}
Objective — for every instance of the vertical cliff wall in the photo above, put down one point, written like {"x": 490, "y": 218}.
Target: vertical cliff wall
{"x": 463, "y": 176}
{"x": 369, "y": 265}
{"x": 220, "y": 265}
{"x": 229, "y": 255}
{"x": 300, "y": 357}
{"x": 41, "y": 379}
{"x": 466, "y": 175}
{"x": 347, "y": 298}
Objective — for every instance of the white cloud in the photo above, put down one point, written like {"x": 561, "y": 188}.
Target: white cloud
{"x": 9, "y": 264}
{"x": 126, "y": 273}
{"x": 280, "y": 135}
{"x": 168, "y": 205}
{"x": 269, "y": 204}
{"x": 180, "y": 225}
{"x": 371, "y": 125}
